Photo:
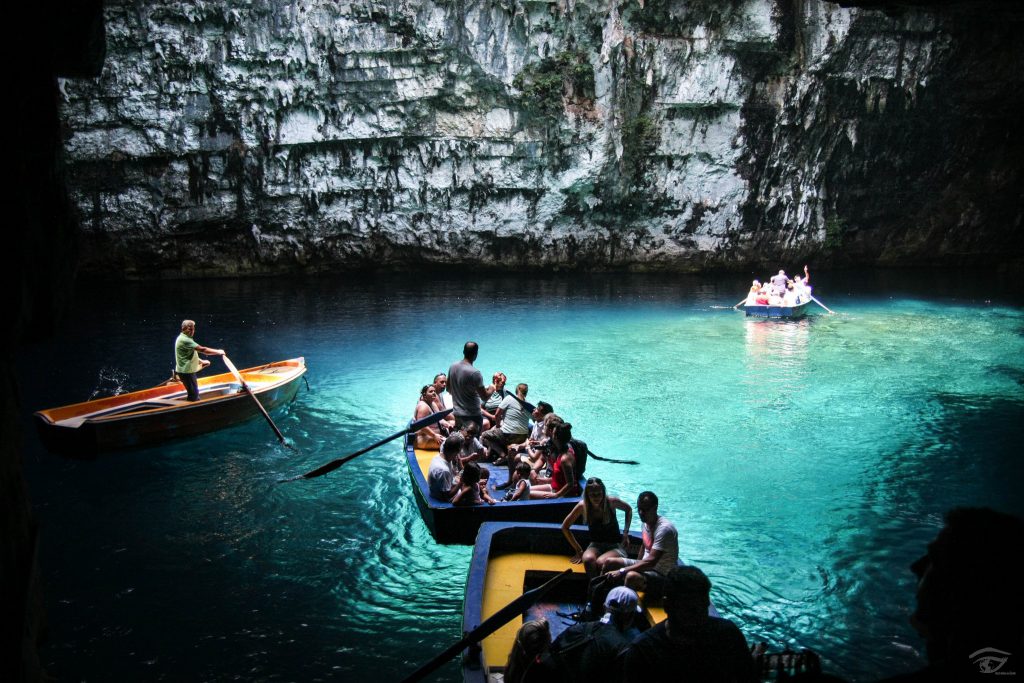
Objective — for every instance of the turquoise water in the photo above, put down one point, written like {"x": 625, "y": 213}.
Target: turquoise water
{"x": 806, "y": 463}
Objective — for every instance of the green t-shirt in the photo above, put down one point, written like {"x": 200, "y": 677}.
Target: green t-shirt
{"x": 185, "y": 354}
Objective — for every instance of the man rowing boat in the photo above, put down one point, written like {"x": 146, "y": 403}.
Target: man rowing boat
{"x": 186, "y": 355}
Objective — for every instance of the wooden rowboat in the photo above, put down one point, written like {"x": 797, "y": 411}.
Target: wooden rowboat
{"x": 755, "y": 311}
{"x": 509, "y": 559}
{"x": 458, "y": 524}
{"x": 162, "y": 412}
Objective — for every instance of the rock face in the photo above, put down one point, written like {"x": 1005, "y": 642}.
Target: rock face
{"x": 263, "y": 136}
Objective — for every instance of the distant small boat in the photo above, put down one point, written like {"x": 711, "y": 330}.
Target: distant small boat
{"x": 458, "y": 523}
{"x": 761, "y": 311}
{"x": 162, "y": 412}
{"x": 510, "y": 559}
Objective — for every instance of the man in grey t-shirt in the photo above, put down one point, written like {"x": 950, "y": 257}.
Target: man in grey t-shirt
{"x": 660, "y": 550}
{"x": 466, "y": 385}
{"x": 513, "y": 418}
{"x": 441, "y": 477}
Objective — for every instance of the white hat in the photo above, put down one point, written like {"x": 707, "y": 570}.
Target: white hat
{"x": 622, "y": 600}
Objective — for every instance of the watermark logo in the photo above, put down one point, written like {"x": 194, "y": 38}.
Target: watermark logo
{"x": 989, "y": 660}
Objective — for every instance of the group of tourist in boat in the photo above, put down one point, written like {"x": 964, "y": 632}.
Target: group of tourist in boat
{"x": 609, "y": 645}
{"x": 780, "y": 290}
{"x": 492, "y": 426}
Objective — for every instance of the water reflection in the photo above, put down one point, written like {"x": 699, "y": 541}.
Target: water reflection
{"x": 776, "y": 360}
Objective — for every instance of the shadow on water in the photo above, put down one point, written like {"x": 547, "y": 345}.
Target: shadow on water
{"x": 966, "y": 454}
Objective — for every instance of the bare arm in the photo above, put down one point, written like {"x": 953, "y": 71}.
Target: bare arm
{"x": 573, "y": 515}
{"x": 643, "y": 565}
{"x": 520, "y": 489}
{"x": 207, "y": 351}
{"x": 618, "y": 504}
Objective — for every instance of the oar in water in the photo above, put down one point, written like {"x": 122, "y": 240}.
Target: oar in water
{"x": 823, "y": 305}
{"x": 245, "y": 387}
{"x": 741, "y": 301}
{"x": 595, "y": 456}
{"x": 433, "y": 418}
{"x": 489, "y": 626}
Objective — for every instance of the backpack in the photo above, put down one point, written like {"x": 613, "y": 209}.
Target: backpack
{"x": 566, "y": 654}
{"x": 580, "y": 449}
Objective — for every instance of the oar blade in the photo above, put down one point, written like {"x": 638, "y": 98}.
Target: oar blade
{"x": 335, "y": 464}
{"x": 431, "y": 419}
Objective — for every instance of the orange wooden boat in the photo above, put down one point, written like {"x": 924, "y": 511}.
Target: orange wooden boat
{"x": 152, "y": 415}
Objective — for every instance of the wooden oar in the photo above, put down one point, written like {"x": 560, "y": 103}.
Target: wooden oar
{"x": 433, "y": 418}
{"x": 595, "y": 456}
{"x": 489, "y": 626}
{"x": 245, "y": 386}
{"x": 743, "y": 300}
{"x": 823, "y": 305}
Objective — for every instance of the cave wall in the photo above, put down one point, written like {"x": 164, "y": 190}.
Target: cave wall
{"x": 260, "y": 137}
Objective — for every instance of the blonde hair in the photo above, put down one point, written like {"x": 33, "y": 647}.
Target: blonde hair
{"x": 532, "y": 639}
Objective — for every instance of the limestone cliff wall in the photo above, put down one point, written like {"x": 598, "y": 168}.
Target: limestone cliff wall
{"x": 263, "y": 136}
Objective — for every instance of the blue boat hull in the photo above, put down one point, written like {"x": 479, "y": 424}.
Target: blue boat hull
{"x": 789, "y": 312}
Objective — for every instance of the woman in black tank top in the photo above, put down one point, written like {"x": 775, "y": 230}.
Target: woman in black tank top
{"x": 598, "y": 511}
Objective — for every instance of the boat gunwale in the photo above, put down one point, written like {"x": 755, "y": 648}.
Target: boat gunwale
{"x": 424, "y": 488}
{"x": 212, "y": 382}
{"x": 476, "y": 579}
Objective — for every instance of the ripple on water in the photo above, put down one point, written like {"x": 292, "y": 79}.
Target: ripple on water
{"x": 805, "y": 463}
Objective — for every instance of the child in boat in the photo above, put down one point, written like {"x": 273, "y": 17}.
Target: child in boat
{"x": 520, "y": 488}
{"x": 469, "y": 487}
{"x": 485, "y": 477}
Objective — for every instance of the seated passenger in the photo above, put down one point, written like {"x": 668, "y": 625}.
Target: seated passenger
{"x": 690, "y": 645}
{"x": 491, "y": 404}
{"x": 512, "y": 421}
{"x": 598, "y": 511}
{"x": 520, "y": 488}
{"x": 564, "y": 482}
{"x": 789, "y": 298}
{"x": 762, "y": 298}
{"x": 428, "y": 437}
{"x": 589, "y": 651}
{"x": 755, "y": 287}
{"x": 542, "y": 410}
{"x": 441, "y": 476}
{"x": 660, "y": 550}
{"x": 469, "y": 489}
{"x": 472, "y": 448}
{"x": 532, "y": 641}
{"x": 485, "y": 478}
{"x": 443, "y": 402}
{"x": 802, "y": 286}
